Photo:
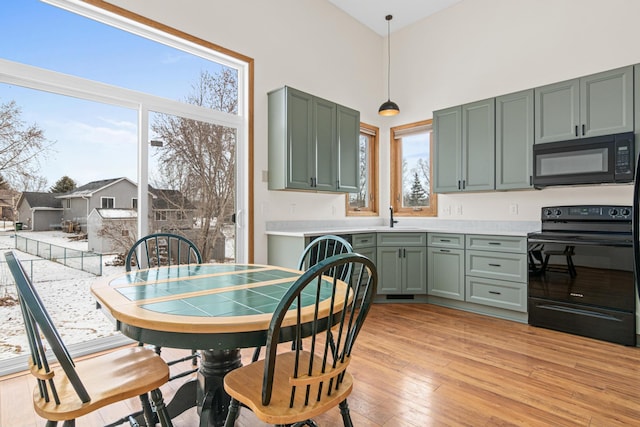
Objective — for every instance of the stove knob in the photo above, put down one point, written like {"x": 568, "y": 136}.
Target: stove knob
{"x": 613, "y": 212}
{"x": 548, "y": 212}
{"x": 625, "y": 212}
{"x": 557, "y": 212}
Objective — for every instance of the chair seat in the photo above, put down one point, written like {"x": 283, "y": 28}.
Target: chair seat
{"x": 245, "y": 385}
{"x": 108, "y": 378}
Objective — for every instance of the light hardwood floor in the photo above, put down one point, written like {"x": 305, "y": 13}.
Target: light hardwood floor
{"x": 420, "y": 365}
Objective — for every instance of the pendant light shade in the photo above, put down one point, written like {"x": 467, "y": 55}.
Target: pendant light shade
{"x": 389, "y": 108}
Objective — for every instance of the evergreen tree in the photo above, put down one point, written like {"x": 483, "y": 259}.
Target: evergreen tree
{"x": 417, "y": 196}
{"x": 63, "y": 185}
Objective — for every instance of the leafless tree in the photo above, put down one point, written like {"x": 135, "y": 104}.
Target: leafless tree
{"x": 198, "y": 159}
{"x": 121, "y": 235}
{"x": 359, "y": 199}
{"x": 21, "y": 149}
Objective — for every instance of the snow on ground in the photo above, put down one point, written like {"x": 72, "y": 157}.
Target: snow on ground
{"x": 64, "y": 291}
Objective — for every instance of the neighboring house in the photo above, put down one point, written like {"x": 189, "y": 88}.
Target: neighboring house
{"x": 111, "y": 230}
{"x": 115, "y": 193}
{"x": 171, "y": 210}
{"x": 39, "y": 211}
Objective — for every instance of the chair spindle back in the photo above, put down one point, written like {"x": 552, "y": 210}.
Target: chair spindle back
{"x": 160, "y": 249}
{"x": 321, "y": 366}
{"x": 37, "y": 323}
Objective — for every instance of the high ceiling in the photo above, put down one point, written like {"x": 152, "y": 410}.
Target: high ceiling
{"x": 405, "y": 12}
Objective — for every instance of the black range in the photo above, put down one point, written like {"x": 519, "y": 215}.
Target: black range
{"x": 581, "y": 272}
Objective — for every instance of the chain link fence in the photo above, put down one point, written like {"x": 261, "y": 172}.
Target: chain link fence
{"x": 90, "y": 262}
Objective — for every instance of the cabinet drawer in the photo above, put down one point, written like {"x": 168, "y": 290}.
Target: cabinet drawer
{"x": 497, "y": 265}
{"x": 497, "y": 293}
{"x": 402, "y": 239}
{"x": 496, "y": 243}
{"x": 445, "y": 240}
{"x": 363, "y": 240}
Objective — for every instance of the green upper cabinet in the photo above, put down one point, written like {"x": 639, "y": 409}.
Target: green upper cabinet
{"x": 348, "y": 152}
{"x": 447, "y": 128}
{"x": 321, "y": 169}
{"x": 313, "y": 143}
{"x": 514, "y": 140}
{"x": 465, "y": 147}
{"x": 594, "y": 105}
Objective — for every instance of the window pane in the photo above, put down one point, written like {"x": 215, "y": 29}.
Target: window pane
{"x": 84, "y": 140}
{"x": 361, "y": 199}
{"x": 101, "y": 52}
{"x": 416, "y": 182}
{"x": 192, "y": 169}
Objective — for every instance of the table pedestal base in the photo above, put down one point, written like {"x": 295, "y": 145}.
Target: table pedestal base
{"x": 212, "y": 400}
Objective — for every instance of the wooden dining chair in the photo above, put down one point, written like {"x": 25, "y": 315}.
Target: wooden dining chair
{"x": 160, "y": 249}
{"x": 317, "y": 250}
{"x": 71, "y": 390}
{"x": 165, "y": 249}
{"x": 292, "y": 387}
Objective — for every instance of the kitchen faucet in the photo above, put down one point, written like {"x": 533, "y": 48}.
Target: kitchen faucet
{"x": 391, "y": 220}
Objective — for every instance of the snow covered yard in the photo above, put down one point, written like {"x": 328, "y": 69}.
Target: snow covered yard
{"x": 64, "y": 291}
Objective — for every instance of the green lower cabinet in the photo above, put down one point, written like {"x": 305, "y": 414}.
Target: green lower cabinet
{"x": 446, "y": 273}
{"x": 402, "y": 270}
{"x": 497, "y": 293}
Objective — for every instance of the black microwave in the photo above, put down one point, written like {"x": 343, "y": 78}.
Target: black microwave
{"x": 595, "y": 160}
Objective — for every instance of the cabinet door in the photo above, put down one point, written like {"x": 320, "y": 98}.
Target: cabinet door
{"x": 415, "y": 270}
{"x": 322, "y": 159}
{"x": 514, "y": 140}
{"x": 557, "y": 111}
{"x": 606, "y": 103}
{"x": 446, "y": 273}
{"x": 299, "y": 139}
{"x": 447, "y": 128}
{"x": 389, "y": 265}
{"x": 478, "y": 145}
{"x": 348, "y": 149}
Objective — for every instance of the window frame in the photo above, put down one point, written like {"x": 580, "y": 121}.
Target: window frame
{"x": 104, "y": 199}
{"x": 395, "y": 182}
{"x": 373, "y": 132}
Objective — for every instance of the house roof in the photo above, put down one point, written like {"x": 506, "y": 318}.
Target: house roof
{"x": 170, "y": 200}
{"x": 90, "y": 188}
{"x": 162, "y": 199}
{"x": 41, "y": 200}
{"x": 115, "y": 213}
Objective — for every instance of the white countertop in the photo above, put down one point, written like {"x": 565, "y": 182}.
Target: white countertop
{"x": 314, "y": 228}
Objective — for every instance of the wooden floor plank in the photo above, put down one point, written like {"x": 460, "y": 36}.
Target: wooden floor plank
{"x": 419, "y": 365}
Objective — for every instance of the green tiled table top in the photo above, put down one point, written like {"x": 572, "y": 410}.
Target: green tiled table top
{"x": 211, "y": 290}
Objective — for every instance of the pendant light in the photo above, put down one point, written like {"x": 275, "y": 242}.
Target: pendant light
{"x": 389, "y": 108}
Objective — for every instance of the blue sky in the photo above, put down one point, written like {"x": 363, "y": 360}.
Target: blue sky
{"x": 92, "y": 141}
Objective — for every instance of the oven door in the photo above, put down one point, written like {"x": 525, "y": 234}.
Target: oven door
{"x": 583, "y": 286}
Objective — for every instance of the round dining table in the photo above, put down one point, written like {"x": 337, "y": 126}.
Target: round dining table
{"x": 217, "y": 309}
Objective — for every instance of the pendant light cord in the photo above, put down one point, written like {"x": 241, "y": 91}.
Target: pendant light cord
{"x": 389, "y": 17}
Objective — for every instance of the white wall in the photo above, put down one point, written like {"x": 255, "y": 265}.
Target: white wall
{"x": 478, "y": 49}
{"x": 473, "y": 50}
{"x": 307, "y": 44}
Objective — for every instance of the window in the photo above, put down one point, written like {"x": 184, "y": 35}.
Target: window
{"x": 365, "y": 202}
{"x": 411, "y": 190}
{"x": 107, "y": 202}
{"x": 68, "y": 203}
{"x": 134, "y": 203}
{"x": 161, "y": 215}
